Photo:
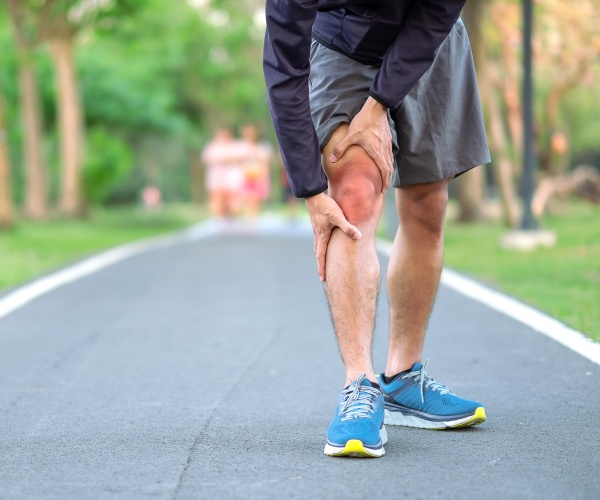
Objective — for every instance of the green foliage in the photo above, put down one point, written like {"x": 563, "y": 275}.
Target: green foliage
{"x": 108, "y": 162}
{"x": 156, "y": 76}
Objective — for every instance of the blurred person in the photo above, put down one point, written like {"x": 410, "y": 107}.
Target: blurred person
{"x": 224, "y": 175}
{"x": 151, "y": 197}
{"x": 386, "y": 92}
{"x": 256, "y": 161}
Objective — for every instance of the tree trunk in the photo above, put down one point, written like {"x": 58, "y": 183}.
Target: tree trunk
{"x": 70, "y": 124}
{"x": 197, "y": 175}
{"x": 503, "y": 170}
{"x": 6, "y": 208}
{"x": 36, "y": 198}
{"x": 471, "y": 184}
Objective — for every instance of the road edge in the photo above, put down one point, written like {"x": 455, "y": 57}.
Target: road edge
{"x": 25, "y": 294}
{"x": 538, "y": 321}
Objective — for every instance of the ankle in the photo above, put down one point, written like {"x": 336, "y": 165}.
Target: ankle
{"x": 393, "y": 369}
{"x": 352, "y": 375}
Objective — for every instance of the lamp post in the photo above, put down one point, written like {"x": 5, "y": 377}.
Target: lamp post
{"x": 529, "y": 235}
{"x": 528, "y": 221}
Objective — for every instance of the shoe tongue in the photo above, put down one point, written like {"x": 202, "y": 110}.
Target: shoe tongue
{"x": 416, "y": 367}
{"x": 366, "y": 381}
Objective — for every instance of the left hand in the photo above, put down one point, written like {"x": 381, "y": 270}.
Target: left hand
{"x": 325, "y": 215}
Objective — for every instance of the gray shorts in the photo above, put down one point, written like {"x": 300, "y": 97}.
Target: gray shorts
{"x": 437, "y": 132}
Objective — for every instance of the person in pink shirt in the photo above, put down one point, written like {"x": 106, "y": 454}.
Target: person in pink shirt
{"x": 256, "y": 165}
{"x": 224, "y": 175}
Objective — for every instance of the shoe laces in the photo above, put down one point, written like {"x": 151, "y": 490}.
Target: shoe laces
{"x": 359, "y": 400}
{"x": 426, "y": 382}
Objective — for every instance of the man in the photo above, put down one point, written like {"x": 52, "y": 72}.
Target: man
{"x": 384, "y": 87}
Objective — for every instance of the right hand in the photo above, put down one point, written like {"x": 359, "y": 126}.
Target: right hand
{"x": 325, "y": 215}
{"x": 370, "y": 129}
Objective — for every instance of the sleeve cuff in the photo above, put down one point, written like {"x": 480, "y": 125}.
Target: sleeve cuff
{"x": 308, "y": 194}
{"x": 382, "y": 101}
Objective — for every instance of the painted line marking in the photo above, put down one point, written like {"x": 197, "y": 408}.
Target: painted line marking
{"x": 25, "y": 294}
{"x": 534, "y": 319}
{"x": 267, "y": 224}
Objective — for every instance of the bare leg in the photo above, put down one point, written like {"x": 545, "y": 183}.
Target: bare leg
{"x": 352, "y": 283}
{"x": 414, "y": 270}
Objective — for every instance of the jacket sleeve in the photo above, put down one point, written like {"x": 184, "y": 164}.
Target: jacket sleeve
{"x": 426, "y": 26}
{"x": 286, "y": 68}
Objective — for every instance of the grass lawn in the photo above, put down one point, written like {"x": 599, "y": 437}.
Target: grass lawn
{"x": 563, "y": 281}
{"x": 31, "y": 249}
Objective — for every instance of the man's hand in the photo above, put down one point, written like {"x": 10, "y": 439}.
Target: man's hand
{"x": 370, "y": 130}
{"x": 325, "y": 214}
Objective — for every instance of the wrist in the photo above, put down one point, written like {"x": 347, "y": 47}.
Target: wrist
{"x": 311, "y": 200}
{"x": 374, "y": 106}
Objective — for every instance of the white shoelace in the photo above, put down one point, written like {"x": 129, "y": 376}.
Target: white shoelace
{"x": 359, "y": 400}
{"x": 426, "y": 381}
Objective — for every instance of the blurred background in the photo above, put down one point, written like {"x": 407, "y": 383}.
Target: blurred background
{"x": 117, "y": 115}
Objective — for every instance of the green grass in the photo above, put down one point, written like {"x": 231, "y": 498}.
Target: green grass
{"x": 563, "y": 281}
{"x": 31, "y": 249}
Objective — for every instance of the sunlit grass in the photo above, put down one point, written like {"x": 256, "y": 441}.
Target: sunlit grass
{"x": 31, "y": 249}
{"x": 563, "y": 281}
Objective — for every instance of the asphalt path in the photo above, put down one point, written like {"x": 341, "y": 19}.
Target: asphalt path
{"x": 209, "y": 370}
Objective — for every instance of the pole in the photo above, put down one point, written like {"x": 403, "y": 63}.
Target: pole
{"x": 528, "y": 175}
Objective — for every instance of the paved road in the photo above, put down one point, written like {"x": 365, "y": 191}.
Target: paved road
{"x": 209, "y": 370}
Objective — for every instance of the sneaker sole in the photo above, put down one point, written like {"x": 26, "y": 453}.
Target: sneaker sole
{"x": 356, "y": 448}
{"x": 397, "y": 418}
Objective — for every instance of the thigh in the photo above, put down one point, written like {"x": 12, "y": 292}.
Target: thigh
{"x": 339, "y": 87}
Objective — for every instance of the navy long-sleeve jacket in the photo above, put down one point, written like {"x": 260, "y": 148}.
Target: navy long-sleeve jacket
{"x": 400, "y": 36}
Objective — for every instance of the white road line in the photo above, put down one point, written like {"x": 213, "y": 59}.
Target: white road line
{"x": 512, "y": 308}
{"x": 25, "y": 294}
{"x": 536, "y": 320}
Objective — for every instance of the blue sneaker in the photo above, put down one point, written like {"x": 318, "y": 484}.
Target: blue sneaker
{"x": 414, "y": 399}
{"x": 357, "y": 428}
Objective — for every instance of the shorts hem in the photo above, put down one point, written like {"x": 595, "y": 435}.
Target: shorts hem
{"x": 447, "y": 171}
{"x": 326, "y": 130}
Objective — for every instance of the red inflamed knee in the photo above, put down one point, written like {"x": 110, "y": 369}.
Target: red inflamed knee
{"x": 357, "y": 191}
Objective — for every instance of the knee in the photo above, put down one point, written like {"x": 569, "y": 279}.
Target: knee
{"x": 358, "y": 191}
{"x": 425, "y": 205}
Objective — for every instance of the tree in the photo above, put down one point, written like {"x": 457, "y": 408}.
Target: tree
{"x": 58, "y": 33}
{"x": 36, "y": 197}
{"x": 6, "y": 209}
{"x": 566, "y": 47}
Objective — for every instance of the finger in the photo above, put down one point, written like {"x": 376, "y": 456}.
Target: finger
{"x": 322, "y": 254}
{"x": 347, "y": 228}
{"x": 340, "y": 148}
{"x": 387, "y": 180}
{"x": 384, "y": 168}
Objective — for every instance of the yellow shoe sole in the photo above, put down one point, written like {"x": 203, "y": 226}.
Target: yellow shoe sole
{"x": 353, "y": 448}
{"x": 477, "y": 418}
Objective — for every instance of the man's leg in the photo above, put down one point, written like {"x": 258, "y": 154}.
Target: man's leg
{"x": 352, "y": 285}
{"x": 412, "y": 397}
{"x": 352, "y": 281}
{"x": 414, "y": 270}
